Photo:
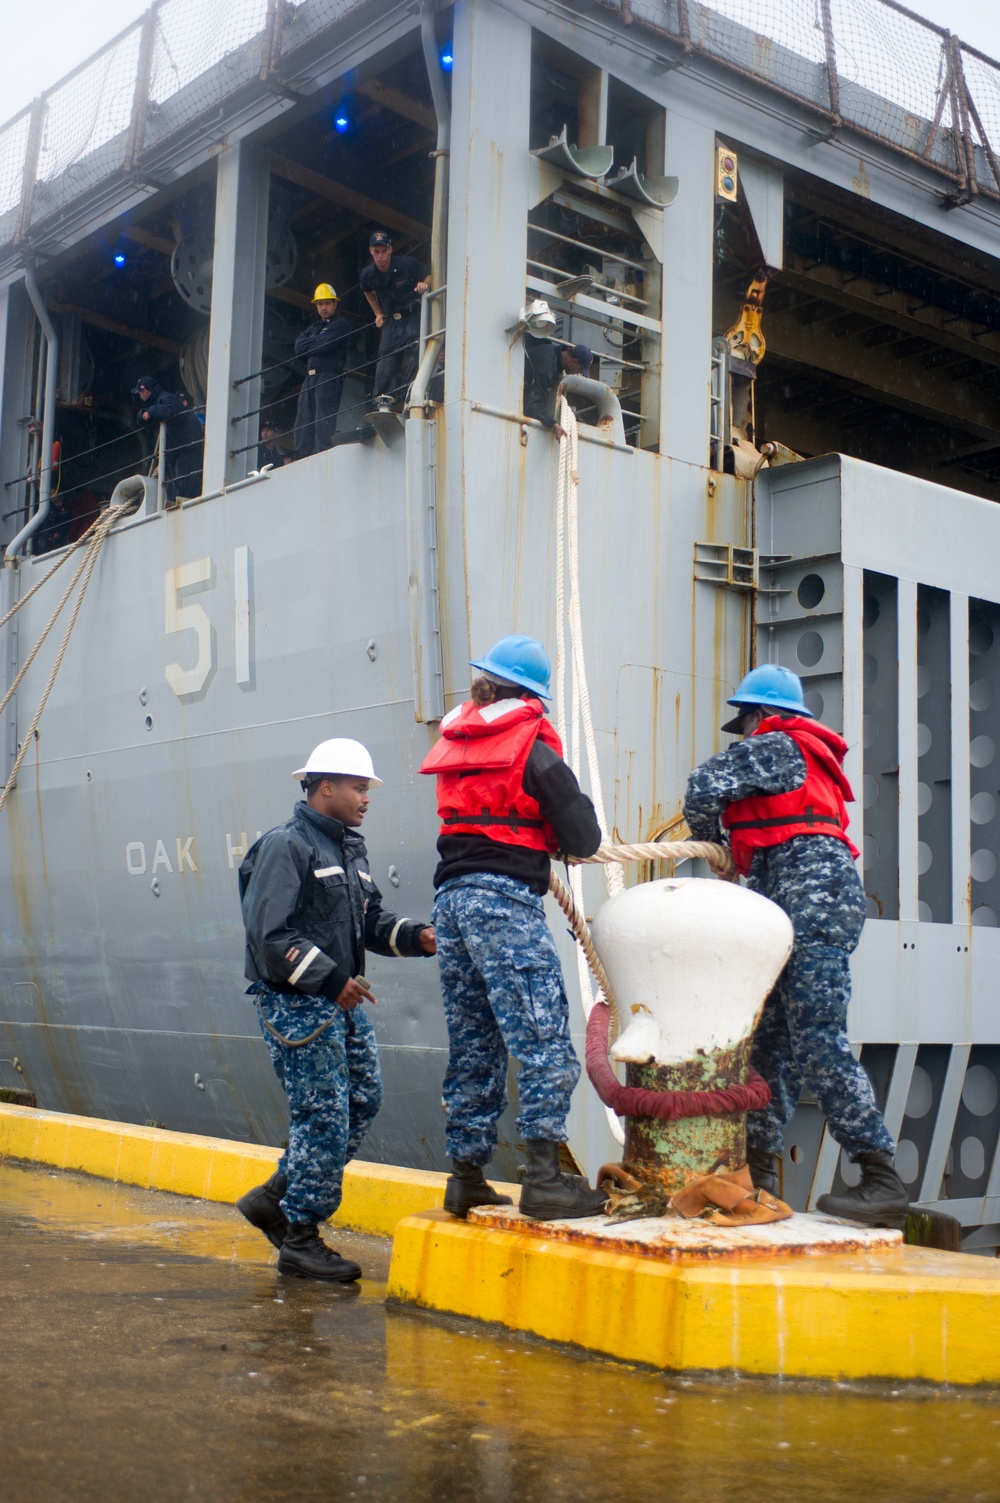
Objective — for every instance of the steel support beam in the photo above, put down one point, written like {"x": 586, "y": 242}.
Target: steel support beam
{"x": 237, "y": 311}
{"x": 900, "y": 310}
{"x": 877, "y": 373}
{"x": 347, "y": 198}
{"x": 687, "y": 292}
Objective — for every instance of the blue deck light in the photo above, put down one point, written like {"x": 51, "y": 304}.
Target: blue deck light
{"x": 119, "y": 258}
{"x": 447, "y": 59}
{"x": 342, "y": 121}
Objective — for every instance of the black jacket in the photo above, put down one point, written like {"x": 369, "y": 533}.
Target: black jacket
{"x": 184, "y": 431}
{"x": 542, "y": 374}
{"x": 394, "y": 288}
{"x": 311, "y": 907}
{"x": 554, "y": 787}
{"x": 324, "y": 345}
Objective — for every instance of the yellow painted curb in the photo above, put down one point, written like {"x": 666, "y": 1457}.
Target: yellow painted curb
{"x": 376, "y": 1196}
{"x": 904, "y": 1314}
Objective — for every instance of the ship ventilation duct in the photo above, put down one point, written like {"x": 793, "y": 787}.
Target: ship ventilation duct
{"x": 656, "y": 192}
{"x": 582, "y": 161}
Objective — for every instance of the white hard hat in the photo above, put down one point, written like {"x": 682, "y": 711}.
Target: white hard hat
{"x": 343, "y": 757}
{"x": 538, "y": 315}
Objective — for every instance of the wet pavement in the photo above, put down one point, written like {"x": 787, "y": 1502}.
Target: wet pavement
{"x": 151, "y": 1352}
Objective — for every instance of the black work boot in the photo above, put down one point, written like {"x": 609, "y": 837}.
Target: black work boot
{"x": 879, "y": 1199}
{"x": 548, "y": 1195}
{"x": 467, "y": 1188}
{"x": 763, "y": 1168}
{"x": 306, "y": 1256}
{"x": 262, "y": 1208}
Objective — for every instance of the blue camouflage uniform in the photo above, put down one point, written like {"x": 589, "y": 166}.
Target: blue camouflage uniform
{"x": 500, "y": 973}
{"x": 311, "y": 908}
{"x": 802, "y": 1035}
{"x": 503, "y": 991}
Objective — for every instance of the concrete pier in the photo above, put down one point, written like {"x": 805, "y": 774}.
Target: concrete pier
{"x": 151, "y": 1351}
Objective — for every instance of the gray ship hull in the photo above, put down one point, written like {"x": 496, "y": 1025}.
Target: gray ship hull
{"x": 345, "y": 593}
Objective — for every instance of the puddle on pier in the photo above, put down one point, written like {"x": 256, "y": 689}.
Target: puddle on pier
{"x": 152, "y": 1351}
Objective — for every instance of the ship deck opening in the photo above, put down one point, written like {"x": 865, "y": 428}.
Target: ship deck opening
{"x": 883, "y": 338}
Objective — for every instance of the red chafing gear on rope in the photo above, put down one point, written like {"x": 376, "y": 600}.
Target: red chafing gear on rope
{"x": 667, "y": 1106}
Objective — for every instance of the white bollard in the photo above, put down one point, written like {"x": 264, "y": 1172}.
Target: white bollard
{"x": 691, "y": 962}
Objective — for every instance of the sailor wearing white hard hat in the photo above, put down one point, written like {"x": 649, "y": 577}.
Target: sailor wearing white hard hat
{"x": 311, "y": 910}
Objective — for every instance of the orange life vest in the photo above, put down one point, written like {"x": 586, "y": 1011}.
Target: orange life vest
{"x": 817, "y": 808}
{"x": 479, "y": 763}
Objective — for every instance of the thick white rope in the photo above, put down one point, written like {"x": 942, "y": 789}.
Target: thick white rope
{"x": 84, "y": 536}
{"x": 717, "y": 856}
{"x": 12, "y": 690}
{"x": 613, "y": 876}
{"x": 101, "y": 530}
{"x": 581, "y": 724}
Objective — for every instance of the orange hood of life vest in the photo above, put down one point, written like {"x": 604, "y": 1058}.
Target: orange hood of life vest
{"x": 479, "y": 764}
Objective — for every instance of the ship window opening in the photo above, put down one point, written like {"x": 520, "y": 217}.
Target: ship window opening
{"x": 586, "y": 255}
{"x": 984, "y": 738}
{"x": 360, "y": 163}
{"x": 133, "y": 301}
{"x": 880, "y": 748}
{"x": 882, "y": 338}
{"x": 934, "y": 754}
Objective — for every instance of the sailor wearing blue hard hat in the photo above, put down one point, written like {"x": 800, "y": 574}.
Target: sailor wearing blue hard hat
{"x": 780, "y": 795}
{"x": 507, "y": 804}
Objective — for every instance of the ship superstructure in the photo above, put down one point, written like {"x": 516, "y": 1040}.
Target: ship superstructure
{"x": 822, "y": 280}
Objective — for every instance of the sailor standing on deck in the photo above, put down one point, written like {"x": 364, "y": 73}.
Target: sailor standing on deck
{"x": 781, "y": 795}
{"x": 324, "y": 344}
{"x": 392, "y": 286}
{"x": 507, "y": 802}
{"x": 311, "y": 908}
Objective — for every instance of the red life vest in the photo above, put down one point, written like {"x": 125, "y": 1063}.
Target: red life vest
{"x": 817, "y": 808}
{"x": 479, "y": 763}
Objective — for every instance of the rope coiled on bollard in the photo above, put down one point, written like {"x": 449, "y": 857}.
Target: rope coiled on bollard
{"x": 666, "y": 1106}
{"x": 635, "y": 1101}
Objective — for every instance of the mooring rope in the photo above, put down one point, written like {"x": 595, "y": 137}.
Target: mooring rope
{"x": 636, "y": 1101}
{"x": 84, "y": 571}
{"x": 83, "y": 538}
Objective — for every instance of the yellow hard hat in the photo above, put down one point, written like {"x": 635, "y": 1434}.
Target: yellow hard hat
{"x": 325, "y": 294}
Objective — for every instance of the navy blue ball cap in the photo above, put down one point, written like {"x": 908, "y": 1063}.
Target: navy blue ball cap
{"x": 144, "y": 383}
{"x": 583, "y": 355}
{"x": 379, "y": 237}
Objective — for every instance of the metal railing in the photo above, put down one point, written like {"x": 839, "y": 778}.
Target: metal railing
{"x": 871, "y": 67}
{"x": 868, "y": 66}
{"x": 175, "y": 66}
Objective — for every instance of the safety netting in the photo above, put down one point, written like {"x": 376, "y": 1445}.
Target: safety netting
{"x": 869, "y": 65}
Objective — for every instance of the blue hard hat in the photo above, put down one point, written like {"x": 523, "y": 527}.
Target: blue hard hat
{"x": 770, "y": 687}
{"x": 518, "y": 660}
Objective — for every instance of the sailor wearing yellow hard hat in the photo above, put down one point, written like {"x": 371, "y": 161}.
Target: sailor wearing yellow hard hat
{"x": 324, "y": 345}
{"x": 311, "y": 909}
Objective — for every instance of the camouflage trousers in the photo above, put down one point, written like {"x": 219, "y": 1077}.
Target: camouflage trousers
{"x": 802, "y": 1035}
{"x": 334, "y": 1090}
{"x": 503, "y": 992}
